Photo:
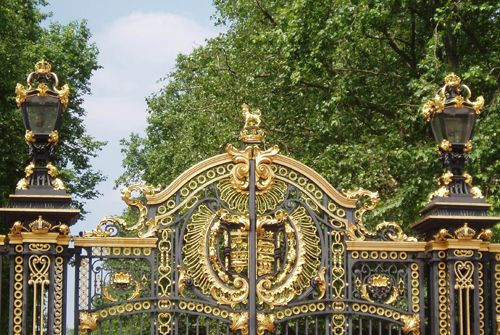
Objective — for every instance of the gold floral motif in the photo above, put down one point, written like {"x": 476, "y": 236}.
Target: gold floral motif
{"x": 265, "y": 322}
{"x": 239, "y": 322}
{"x": 468, "y": 146}
{"x": 444, "y": 146}
{"x": 411, "y": 324}
{"x": 379, "y": 281}
{"x": 88, "y": 322}
{"x": 433, "y": 107}
{"x": 21, "y": 94}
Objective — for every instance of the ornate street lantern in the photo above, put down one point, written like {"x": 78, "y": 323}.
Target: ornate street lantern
{"x": 456, "y": 204}
{"x": 452, "y": 117}
{"x": 42, "y": 107}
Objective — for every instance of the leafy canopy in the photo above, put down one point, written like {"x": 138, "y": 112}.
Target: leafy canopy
{"x": 24, "y": 41}
{"x": 340, "y": 84}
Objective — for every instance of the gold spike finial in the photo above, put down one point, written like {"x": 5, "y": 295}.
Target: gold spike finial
{"x": 251, "y": 132}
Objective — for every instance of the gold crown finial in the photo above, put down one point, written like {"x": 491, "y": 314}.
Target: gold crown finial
{"x": 452, "y": 80}
{"x": 251, "y": 132}
{"x": 42, "y": 67}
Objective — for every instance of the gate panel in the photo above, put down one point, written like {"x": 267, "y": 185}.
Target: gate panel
{"x": 116, "y": 290}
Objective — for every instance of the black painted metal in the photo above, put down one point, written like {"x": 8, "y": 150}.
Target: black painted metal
{"x": 252, "y": 259}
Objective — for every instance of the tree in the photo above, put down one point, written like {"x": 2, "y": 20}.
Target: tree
{"x": 340, "y": 84}
{"x": 74, "y": 58}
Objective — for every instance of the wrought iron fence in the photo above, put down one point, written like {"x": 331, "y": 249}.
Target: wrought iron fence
{"x": 250, "y": 242}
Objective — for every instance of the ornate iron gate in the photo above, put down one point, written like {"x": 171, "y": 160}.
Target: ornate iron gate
{"x": 247, "y": 242}
{"x": 252, "y": 242}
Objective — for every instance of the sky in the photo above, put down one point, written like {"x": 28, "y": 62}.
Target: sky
{"x": 138, "y": 42}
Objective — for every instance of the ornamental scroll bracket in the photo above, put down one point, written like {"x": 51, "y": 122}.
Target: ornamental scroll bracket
{"x": 368, "y": 201}
{"x": 144, "y": 226}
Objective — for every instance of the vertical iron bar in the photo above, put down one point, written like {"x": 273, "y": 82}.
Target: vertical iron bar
{"x": 1, "y": 274}
{"x": 76, "y": 295}
{"x": 252, "y": 240}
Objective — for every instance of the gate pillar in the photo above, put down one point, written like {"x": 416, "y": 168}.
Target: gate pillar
{"x": 456, "y": 224}
{"x": 39, "y": 214}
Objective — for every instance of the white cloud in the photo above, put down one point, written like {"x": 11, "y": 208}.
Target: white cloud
{"x": 135, "y": 51}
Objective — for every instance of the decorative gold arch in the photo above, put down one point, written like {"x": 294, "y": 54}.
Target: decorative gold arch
{"x": 342, "y": 200}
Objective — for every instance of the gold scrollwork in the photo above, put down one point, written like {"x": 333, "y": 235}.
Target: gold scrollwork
{"x": 198, "y": 266}
{"x": 39, "y": 266}
{"x": 464, "y": 272}
{"x": 321, "y": 282}
{"x": 144, "y": 226}
{"x": 164, "y": 282}
{"x": 240, "y": 173}
{"x": 303, "y": 262}
{"x": 29, "y": 137}
{"x": 359, "y": 232}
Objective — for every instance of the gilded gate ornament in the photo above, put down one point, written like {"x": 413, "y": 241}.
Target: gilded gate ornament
{"x": 359, "y": 232}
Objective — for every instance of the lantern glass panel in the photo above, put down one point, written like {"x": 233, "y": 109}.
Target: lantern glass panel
{"x": 42, "y": 113}
{"x": 454, "y": 124}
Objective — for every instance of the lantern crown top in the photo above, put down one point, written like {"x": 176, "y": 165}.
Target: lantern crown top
{"x": 251, "y": 132}
{"x": 453, "y": 94}
{"x": 43, "y": 67}
{"x": 452, "y": 80}
{"x": 43, "y": 75}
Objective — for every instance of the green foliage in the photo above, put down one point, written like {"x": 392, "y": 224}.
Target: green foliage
{"x": 340, "y": 84}
{"x": 74, "y": 58}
